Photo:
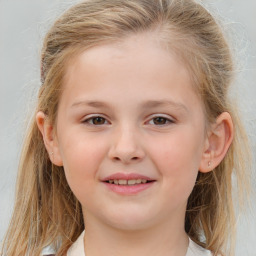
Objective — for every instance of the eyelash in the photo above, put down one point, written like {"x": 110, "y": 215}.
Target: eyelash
{"x": 166, "y": 120}
{"x": 90, "y": 120}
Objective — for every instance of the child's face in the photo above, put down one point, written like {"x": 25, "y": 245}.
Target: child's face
{"x": 129, "y": 109}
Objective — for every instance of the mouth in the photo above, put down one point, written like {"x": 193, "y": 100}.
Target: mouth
{"x": 128, "y": 183}
{"x": 131, "y": 182}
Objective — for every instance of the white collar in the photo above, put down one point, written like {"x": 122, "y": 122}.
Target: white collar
{"x": 77, "y": 248}
{"x": 195, "y": 250}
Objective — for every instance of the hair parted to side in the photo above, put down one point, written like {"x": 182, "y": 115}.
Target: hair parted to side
{"x": 46, "y": 211}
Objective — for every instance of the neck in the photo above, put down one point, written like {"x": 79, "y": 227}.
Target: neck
{"x": 167, "y": 239}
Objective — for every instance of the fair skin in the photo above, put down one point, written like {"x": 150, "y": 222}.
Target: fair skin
{"x": 129, "y": 108}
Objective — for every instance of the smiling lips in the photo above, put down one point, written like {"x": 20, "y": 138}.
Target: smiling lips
{"x": 128, "y": 184}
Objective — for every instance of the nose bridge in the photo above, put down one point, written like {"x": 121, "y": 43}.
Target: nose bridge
{"x": 126, "y": 144}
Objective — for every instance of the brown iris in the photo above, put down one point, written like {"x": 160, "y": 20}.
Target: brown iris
{"x": 159, "y": 120}
{"x": 98, "y": 120}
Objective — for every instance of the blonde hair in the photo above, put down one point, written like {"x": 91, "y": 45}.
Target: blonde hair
{"x": 46, "y": 211}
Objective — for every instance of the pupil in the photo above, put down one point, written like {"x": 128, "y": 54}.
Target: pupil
{"x": 98, "y": 120}
{"x": 159, "y": 120}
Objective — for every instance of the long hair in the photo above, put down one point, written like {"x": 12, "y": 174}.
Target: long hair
{"x": 46, "y": 211}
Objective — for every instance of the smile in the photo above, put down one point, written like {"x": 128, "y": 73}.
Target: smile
{"x": 128, "y": 182}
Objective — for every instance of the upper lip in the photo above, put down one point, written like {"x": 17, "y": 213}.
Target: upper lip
{"x": 126, "y": 176}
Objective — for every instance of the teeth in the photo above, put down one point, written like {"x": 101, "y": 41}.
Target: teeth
{"x": 131, "y": 182}
{"x": 122, "y": 182}
{"x": 128, "y": 182}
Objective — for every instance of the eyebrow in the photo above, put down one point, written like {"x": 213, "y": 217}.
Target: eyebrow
{"x": 160, "y": 103}
{"x": 95, "y": 104}
{"x": 146, "y": 104}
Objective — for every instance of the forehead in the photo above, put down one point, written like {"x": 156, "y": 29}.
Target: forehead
{"x": 145, "y": 50}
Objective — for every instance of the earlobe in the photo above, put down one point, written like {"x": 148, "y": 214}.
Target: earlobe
{"x": 49, "y": 137}
{"x": 217, "y": 143}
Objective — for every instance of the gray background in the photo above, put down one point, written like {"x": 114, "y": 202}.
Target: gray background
{"x": 22, "y": 26}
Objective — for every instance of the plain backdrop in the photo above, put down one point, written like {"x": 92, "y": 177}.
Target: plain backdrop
{"x": 23, "y": 24}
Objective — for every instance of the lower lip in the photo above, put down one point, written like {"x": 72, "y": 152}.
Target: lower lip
{"x": 129, "y": 189}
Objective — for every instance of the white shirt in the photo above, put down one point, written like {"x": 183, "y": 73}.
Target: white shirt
{"x": 77, "y": 248}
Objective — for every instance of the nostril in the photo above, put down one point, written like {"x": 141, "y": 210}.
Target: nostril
{"x": 119, "y": 159}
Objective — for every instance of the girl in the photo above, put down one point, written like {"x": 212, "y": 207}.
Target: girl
{"x": 134, "y": 140}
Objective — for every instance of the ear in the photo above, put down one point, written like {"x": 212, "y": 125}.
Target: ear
{"x": 50, "y": 138}
{"x": 217, "y": 143}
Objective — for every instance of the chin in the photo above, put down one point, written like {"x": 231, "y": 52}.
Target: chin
{"x": 129, "y": 220}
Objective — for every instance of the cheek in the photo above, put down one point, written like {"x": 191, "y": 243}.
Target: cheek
{"x": 80, "y": 150}
{"x": 177, "y": 159}
{"x": 81, "y": 158}
{"x": 180, "y": 151}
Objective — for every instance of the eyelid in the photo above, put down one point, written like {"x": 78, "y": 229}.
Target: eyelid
{"x": 169, "y": 119}
{"x": 87, "y": 118}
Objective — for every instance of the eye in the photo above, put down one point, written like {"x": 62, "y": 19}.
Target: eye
{"x": 160, "y": 120}
{"x": 96, "y": 120}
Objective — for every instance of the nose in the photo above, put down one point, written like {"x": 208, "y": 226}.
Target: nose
{"x": 126, "y": 147}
